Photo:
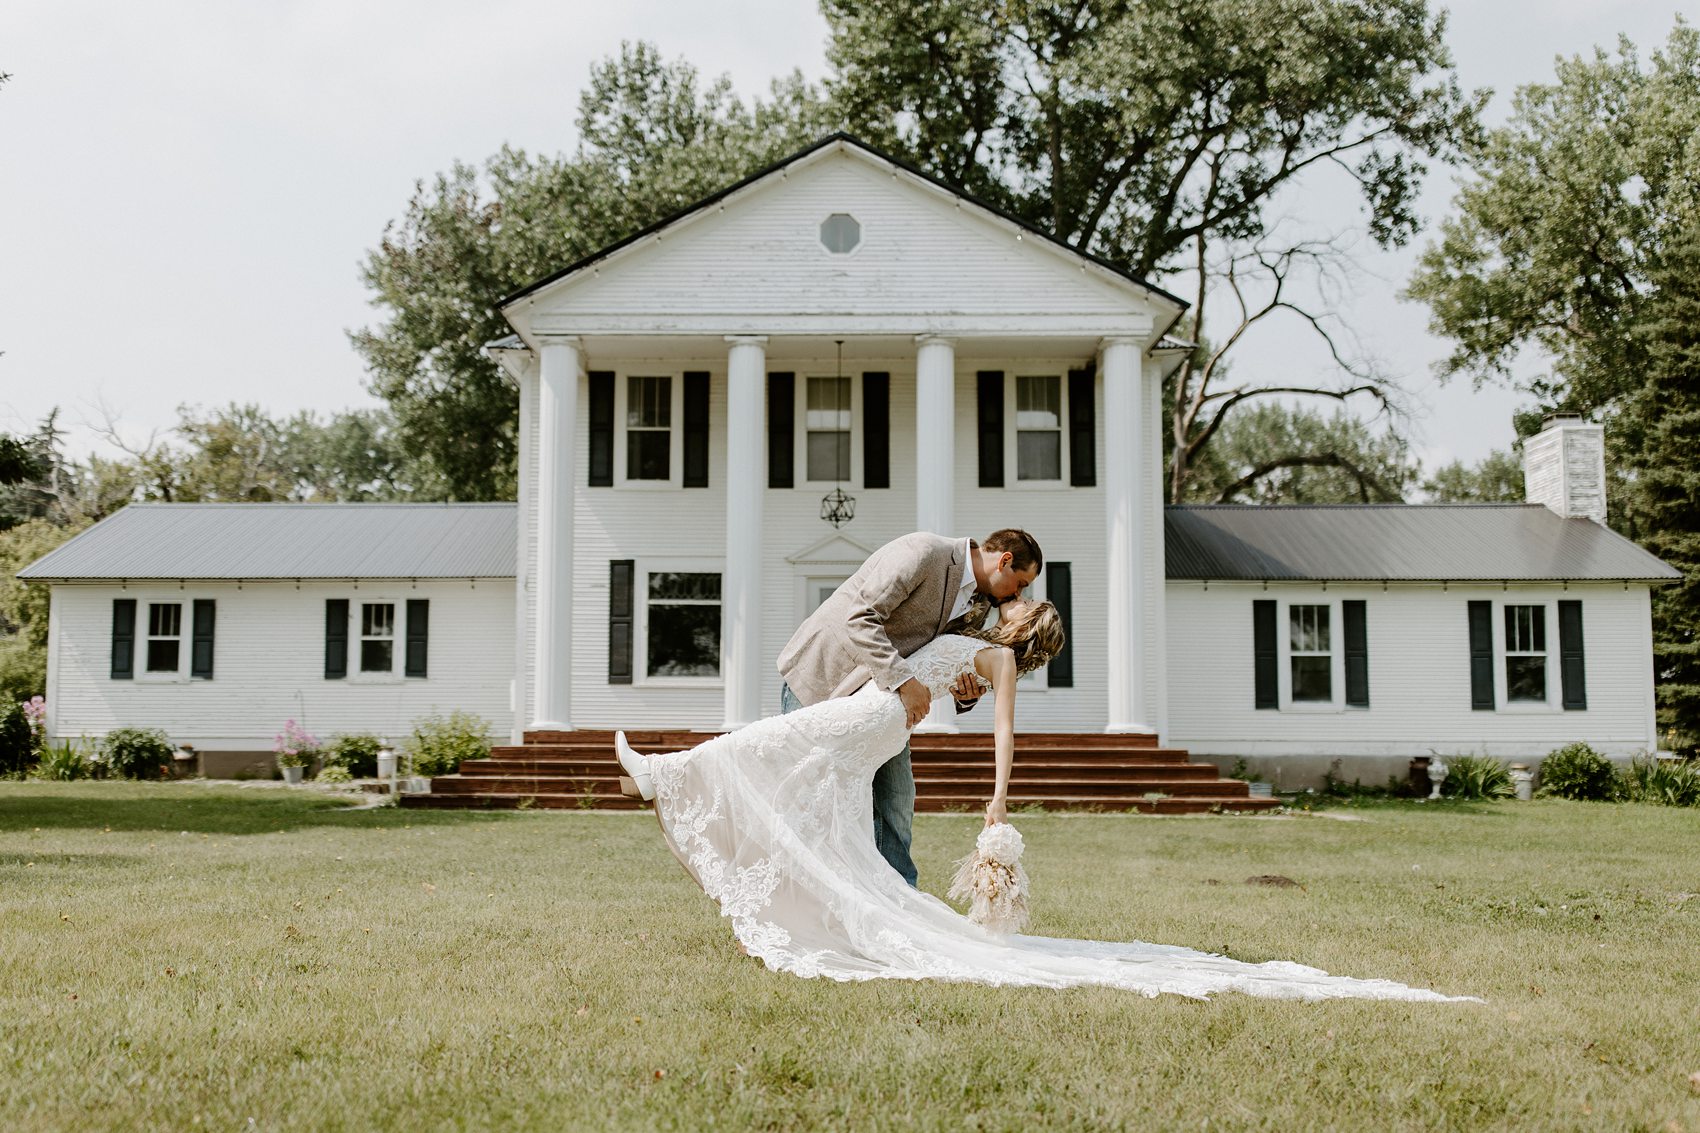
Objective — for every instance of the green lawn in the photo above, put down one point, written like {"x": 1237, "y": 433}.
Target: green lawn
{"x": 183, "y": 957}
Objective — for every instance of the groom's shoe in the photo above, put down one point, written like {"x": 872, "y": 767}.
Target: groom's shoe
{"x": 636, "y": 782}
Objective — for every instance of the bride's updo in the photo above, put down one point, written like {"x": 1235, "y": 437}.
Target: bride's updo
{"x": 1034, "y": 636}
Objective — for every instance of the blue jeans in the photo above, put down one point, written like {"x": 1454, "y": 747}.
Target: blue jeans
{"x": 894, "y": 803}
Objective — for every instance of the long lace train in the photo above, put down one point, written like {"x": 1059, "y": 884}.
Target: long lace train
{"x": 775, "y": 821}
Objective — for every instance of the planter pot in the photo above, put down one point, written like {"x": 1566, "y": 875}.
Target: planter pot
{"x": 293, "y": 775}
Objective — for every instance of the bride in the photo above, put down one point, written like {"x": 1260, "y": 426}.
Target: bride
{"x": 775, "y": 822}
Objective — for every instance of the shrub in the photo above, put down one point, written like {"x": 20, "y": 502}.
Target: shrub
{"x": 136, "y": 753}
{"x": 357, "y": 754}
{"x": 1476, "y": 777}
{"x": 64, "y": 761}
{"x": 1668, "y": 782}
{"x": 1577, "y": 771}
{"x": 334, "y": 773}
{"x": 295, "y": 746}
{"x": 17, "y": 739}
{"x": 441, "y": 743}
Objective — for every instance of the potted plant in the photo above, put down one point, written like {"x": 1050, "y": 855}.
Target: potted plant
{"x": 295, "y": 747}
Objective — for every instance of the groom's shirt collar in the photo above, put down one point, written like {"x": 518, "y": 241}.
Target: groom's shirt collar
{"x": 965, "y": 592}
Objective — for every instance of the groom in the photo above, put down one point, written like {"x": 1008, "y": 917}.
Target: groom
{"x": 906, "y": 594}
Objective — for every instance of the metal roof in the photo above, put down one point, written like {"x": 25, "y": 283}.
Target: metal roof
{"x": 1398, "y": 542}
{"x": 235, "y": 541}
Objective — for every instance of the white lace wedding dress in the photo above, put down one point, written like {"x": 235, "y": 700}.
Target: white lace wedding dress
{"x": 775, "y": 821}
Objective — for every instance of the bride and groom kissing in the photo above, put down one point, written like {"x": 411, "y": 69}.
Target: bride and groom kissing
{"x": 799, "y": 825}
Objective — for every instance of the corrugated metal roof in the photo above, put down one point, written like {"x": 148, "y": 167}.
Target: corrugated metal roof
{"x": 1398, "y": 542}
{"x": 290, "y": 541}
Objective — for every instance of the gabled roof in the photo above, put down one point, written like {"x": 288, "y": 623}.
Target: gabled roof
{"x": 323, "y": 541}
{"x": 843, "y": 140}
{"x": 1398, "y": 542}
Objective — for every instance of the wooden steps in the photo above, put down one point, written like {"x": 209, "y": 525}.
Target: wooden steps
{"x": 953, "y": 772}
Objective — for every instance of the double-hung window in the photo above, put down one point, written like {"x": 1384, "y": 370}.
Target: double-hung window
{"x": 682, "y": 624}
{"x": 377, "y": 637}
{"x": 649, "y": 428}
{"x": 165, "y": 637}
{"x": 1039, "y": 427}
{"x": 1525, "y": 653}
{"x": 827, "y": 421}
{"x": 1310, "y": 653}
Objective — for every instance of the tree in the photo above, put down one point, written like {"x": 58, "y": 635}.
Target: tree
{"x": 24, "y": 606}
{"x": 1279, "y": 453}
{"x": 653, "y": 140}
{"x": 1158, "y": 135}
{"x": 1498, "y": 478}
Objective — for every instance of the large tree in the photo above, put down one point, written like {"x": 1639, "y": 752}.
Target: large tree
{"x": 1160, "y": 134}
{"x": 1279, "y": 453}
{"x": 654, "y": 139}
{"x": 1576, "y": 243}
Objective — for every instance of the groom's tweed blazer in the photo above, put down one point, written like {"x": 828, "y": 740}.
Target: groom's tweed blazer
{"x": 898, "y": 601}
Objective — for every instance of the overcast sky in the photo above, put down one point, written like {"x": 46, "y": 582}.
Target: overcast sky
{"x": 187, "y": 188}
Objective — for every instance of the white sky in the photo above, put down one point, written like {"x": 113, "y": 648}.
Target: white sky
{"x": 187, "y": 188}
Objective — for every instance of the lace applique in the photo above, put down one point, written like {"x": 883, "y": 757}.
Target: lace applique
{"x": 941, "y": 661}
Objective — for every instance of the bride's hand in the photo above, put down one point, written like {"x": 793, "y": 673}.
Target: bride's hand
{"x": 997, "y": 811}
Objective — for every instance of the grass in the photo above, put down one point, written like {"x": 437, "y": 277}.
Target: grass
{"x": 181, "y": 957}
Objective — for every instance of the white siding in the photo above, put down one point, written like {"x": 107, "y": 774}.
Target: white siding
{"x": 1419, "y": 675}
{"x": 269, "y": 657}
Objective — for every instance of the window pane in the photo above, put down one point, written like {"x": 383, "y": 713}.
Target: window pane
{"x": 649, "y": 403}
{"x": 1038, "y": 402}
{"x": 1038, "y": 456}
{"x": 377, "y": 655}
{"x": 1308, "y": 629}
{"x": 829, "y": 403}
{"x": 165, "y": 619}
{"x": 1525, "y": 678}
{"x": 677, "y": 587}
{"x": 1313, "y": 678}
{"x": 1525, "y": 629}
{"x": 377, "y": 619}
{"x": 829, "y": 456}
{"x": 684, "y": 641}
{"x": 647, "y": 454}
{"x": 162, "y": 655}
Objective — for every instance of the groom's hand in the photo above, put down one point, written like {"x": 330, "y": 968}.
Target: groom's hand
{"x": 916, "y": 702}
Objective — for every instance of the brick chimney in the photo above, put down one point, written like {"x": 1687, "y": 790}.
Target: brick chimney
{"x": 1564, "y": 467}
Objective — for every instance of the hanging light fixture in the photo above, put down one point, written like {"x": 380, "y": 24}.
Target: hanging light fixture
{"x": 838, "y": 507}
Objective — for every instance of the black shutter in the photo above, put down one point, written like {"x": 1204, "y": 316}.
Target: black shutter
{"x": 1265, "y": 661}
{"x": 991, "y": 428}
{"x": 696, "y": 429}
{"x": 620, "y": 599}
{"x": 1481, "y": 655}
{"x": 1082, "y": 429}
{"x": 336, "y": 638}
{"x": 781, "y": 432}
{"x": 601, "y": 428}
{"x": 201, "y": 643}
{"x": 1571, "y": 670}
{"x": 123, "y": 639}
{"x": 418, "y": 637}
{"x": 876, "y": 430}
{"x": 1357, "y": 653}
{"x": 1059, "y": 591}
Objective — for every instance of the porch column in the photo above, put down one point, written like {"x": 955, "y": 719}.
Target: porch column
{"x": 1126, "y": 483}
{"x": 740, "y": 586}
{"x": 560, "y": 362}
{"x": 935, "y": 435}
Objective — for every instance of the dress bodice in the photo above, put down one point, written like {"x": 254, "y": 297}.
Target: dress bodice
{"x": 942, "y": 660}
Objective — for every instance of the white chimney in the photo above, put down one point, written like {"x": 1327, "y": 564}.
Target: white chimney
{"x": 1564, "y": 467}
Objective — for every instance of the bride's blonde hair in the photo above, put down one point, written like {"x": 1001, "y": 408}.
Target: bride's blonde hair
{"x": 1034, "y": 637}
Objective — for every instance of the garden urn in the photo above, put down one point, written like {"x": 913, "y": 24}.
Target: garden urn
{"x": 1523, "y": 781}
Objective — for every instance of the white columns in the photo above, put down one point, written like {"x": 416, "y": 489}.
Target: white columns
{"x": 935, "y": 435}
{"x": 560, "y": 363}
{"x": 740, "y": 586}
{"x": 1127, "y": 518}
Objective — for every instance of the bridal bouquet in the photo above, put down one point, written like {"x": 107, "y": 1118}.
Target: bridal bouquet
{"x": 992, "y": 881}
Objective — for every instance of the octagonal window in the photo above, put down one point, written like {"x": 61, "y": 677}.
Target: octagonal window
{"x": 840, "y": 233}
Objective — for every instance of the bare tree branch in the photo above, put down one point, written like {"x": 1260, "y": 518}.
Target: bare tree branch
{"x": 1366, "y": 479}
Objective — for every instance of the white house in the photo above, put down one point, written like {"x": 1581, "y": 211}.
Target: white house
{"x": 218, "y": 622}
{"x": 703, "y": 404}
